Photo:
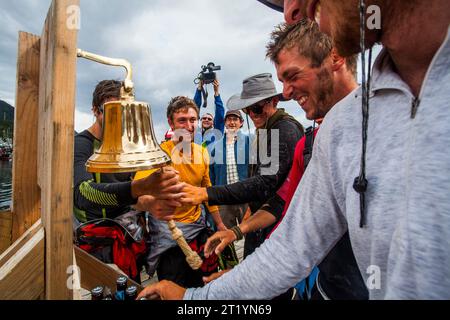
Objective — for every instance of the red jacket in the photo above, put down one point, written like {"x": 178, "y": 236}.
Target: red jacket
{"x": 124, "y": 254}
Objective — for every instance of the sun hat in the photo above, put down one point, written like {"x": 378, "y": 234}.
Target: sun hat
{"x": 254, "y": 89}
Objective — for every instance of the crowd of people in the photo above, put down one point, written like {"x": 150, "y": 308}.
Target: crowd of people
{"x": 357, "y": 209}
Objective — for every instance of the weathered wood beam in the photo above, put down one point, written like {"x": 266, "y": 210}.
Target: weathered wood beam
{"x": 55, "y": 147}
{"x": 5, "y": 230}
{"x": 25, "y": 190}
{"x": 94, "y": 272}
{"x": 22, "y": 266}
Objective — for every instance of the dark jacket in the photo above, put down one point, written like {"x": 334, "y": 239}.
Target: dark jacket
{"x": 340, "y": 277}
{"x": 260, "y": 187}
{"x": 218, "y": 152}
{"x": 97, "y": 195}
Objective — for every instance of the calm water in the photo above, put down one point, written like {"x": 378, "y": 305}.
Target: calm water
{"x": 5, "y": 184}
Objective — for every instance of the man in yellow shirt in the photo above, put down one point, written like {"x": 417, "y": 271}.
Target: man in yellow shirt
{"x": 192, "y": 163}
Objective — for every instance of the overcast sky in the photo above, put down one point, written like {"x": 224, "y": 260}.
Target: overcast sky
{"x": 166, "y": 41}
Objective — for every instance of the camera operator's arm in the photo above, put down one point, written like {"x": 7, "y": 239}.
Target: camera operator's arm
{"x": 216, "y": 88}
{"x": 219, "y": 117}
{"x": 198, "y": 94}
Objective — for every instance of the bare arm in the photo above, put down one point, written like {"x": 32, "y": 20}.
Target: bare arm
{"x": 220, "y": 240}
{"x": 260, "y": 220}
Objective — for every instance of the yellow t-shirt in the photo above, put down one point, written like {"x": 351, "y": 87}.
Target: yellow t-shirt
{"x": 193, "y": 169}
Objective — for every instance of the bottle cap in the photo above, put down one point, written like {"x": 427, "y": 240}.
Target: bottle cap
{"x": 121, "y": 281}
{"x": 131, "y": 292}
{"x": 97, "y": 292}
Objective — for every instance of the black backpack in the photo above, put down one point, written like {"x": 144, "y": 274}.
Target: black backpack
{"x": 309, "y": 142}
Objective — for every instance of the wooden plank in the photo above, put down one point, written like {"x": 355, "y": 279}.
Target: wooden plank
{"x": 5, "y": 230}
{"x": 22, "y": 267}
{"x": 25, "y": 190}
{"x": 94, "y": 272}
{"x": 55, "y": 152}
{"x": 30, "y": 233}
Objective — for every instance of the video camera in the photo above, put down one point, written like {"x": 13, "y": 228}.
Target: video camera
{"x": 207, "y": 75}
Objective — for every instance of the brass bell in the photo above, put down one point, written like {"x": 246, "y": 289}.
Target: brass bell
{"x": 129, "y": 143}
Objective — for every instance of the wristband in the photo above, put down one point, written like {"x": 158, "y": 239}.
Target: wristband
{"x": 237, "y": 231}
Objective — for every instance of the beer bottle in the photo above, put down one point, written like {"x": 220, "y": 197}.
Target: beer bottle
{"x": 121, "y": 287}
{"x": 131, "y": 293}
{"x": 97, "y": 293}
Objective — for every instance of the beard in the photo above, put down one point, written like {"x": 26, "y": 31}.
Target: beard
{"x": 325, "y": 93}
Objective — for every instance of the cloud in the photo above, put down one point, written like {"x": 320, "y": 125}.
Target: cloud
{"x": 166, "y": 41}
{"x": 83, "y": 120}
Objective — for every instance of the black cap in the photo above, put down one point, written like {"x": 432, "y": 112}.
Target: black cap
{"x": 121, "y": 282}
{"x": 97, "y": 293}
{"x": 236, "y": 113}
{"x": 131, "y": 293}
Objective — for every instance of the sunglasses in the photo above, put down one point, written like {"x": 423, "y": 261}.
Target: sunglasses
{"x": 256, "y": 108}
{"x": 207, "y": 118}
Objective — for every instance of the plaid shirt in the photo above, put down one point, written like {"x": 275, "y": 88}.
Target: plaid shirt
{"x": 232, "y": 174}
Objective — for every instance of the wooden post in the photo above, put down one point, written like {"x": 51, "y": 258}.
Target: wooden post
{"x": 5, "y": 230}
{"x": 55, "y": 154}
{"x": 25, "y": 190}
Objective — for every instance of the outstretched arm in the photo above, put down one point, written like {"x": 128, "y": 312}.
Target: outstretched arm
{"x": 198, "y": 94}
{"x": 220, "y": 240}
{"x": 219, "y": 115}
